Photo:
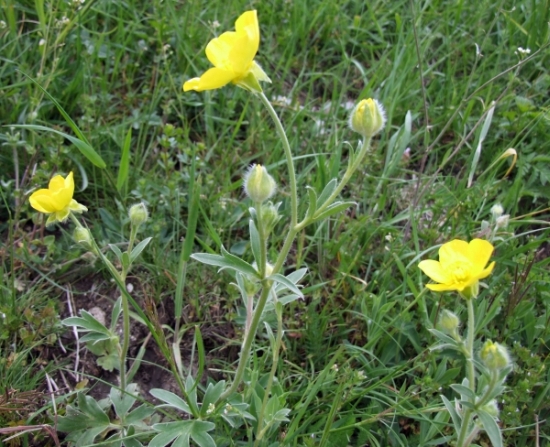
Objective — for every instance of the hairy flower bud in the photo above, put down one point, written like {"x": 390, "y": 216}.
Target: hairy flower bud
{"x": 494, "y": 356}
{"x": 502, "y": 221}
{"x": 270, "y": 216}
{"x": 491, "y": 408}
{"x": 449, "y": 321}
{"x": 138, "y": 214}
{"x": 368, "y": 118}
{"x": 258, "y": 184}
{"x": 497, "y": 210}
{"x": 82, "y": 236}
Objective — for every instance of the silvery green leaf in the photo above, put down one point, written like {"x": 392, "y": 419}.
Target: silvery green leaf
{"x": 171, "y": 400}
{"x": 277, "y": 277}
{"x": 123, "y": 401}
{"x": 465, "y": 392}
{"x": 227, "y": 261}
{"x": 139, "y": 248}
{"x": 452, "y": 411}
{"x": 327, "y": 191}
{"x": 88, "y": 322}
{"x": 335, "y": 208}
{"x": 312, "y": 207}
{"x": 491, "y": 428}
{"x": 116, "y": 251}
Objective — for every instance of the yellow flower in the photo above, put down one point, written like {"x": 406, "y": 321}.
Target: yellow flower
{"x": 57, "y": 200}
{"x": 232, "y": 55}
{"x": 460, "y": 267}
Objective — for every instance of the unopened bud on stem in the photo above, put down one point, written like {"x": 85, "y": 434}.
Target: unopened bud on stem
{"x": 258, "y": 184}
{"x": 368, "y": 118}
{"x": 138, "y": 214}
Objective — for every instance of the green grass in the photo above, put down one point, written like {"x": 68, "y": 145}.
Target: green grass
{"x": 118, "y": 67}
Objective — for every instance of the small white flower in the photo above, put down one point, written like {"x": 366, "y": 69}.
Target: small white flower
{"x": 335, "y": 367}
{"x": 211, "y": 408}
{"x": 2, "y": 24}
{"x": 42, "y": 42}
{"x": 215, "y": 24}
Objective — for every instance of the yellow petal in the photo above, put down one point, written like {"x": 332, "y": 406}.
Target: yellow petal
{"x": 217, "y": 50}
{"x": 192, "y": 84}
{"x": 241, "y": 56}
{"x": 434, "y": 270}
{"x": 479, "y": 253}
{"x": 42, "y": 201}
{"x": 247, "y": 24}
{"x": 484, "y": 273}
{"x": 57, "y": 183}
{"x": 211, "y": 79}
{"x": 449, "y": 251}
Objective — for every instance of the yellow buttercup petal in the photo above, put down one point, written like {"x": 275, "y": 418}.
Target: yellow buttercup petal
{"x": 42, "y": 201}
{"x": 241, "y": 57}
{"x": 434, "y": 270}
{"x": 449, "y": 251}
{"x": 232, "y": 55}
{"x": 212, "y": 79}
{"x": 217, "y": 50}
{"x": 479, "y": 253}
{"x": 247, "y": 24}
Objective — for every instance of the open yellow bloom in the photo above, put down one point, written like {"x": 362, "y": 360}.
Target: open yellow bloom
{"x": 232, "y": 55}
{"x": 57, "y": 200}
{"x": 460, "y": 267}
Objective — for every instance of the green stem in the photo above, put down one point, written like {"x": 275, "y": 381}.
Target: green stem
{"x": 493, "y": 382}
{"x": 263, "y": 241}
{"x": 289, "y": 160}
{"x": 125, "y": 310}
{"x": 260, "y": 430}
{"x": 470, "y": 373}
{"x": 352, "y": 167}
{"x": 248, "y": 339}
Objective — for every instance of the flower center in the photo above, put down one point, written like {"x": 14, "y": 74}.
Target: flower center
{"x": 460, "y": 271}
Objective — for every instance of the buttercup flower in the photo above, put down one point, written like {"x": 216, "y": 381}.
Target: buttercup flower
{"x": 460, "y": 267}
{"x": 232, "y": 55}
{"x": 57, "y": 200}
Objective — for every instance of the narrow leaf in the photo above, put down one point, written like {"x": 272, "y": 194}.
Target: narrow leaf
{"x": 333, "y": 209}
{"x": 491, "y": 428}
{"x": 83, "y": 146}
{"x": 277, "y": 277}
{"x": 327, "y": 191}
{"x": 124, "y": 167}
{"x": 312, "y": 207}
{"x": 171, "y": 399}
{"x": 139, "y": 248}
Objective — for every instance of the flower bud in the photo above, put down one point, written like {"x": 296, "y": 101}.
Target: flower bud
{"x": 491, "y": 408}
{"x": 270, "y": 216}
{"x": 502, "y": 221}
{"x": 368, "y": 117}
{"x": 497, "y": 210}
{"x": 494, "y": 356}
{"x": 138, "y": 214}
{"x": 258, "y": 184}
{"x": 82, "y": 236}
{"x": 449, "y": 321}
